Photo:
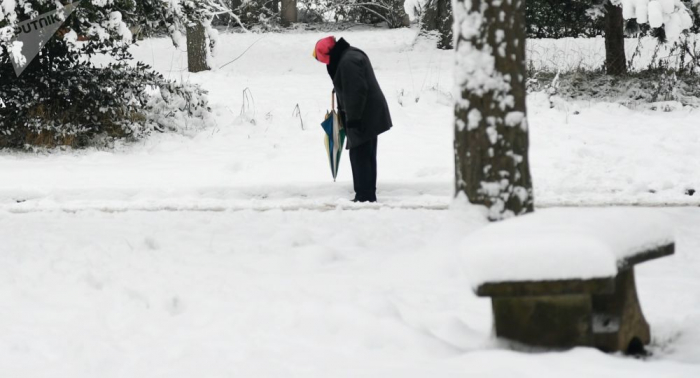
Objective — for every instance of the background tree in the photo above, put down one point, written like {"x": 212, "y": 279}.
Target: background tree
{"x": 491, "y": 129}
{"x": 615, "y": 19}
{"x": 197, "y": 48}
{"x": 615, "y": 59}
{"x": 673, "y": 17}
{"x": 194, "y": 21}
{"x": 437, "y": 19}
{"x": 288, "y": 12}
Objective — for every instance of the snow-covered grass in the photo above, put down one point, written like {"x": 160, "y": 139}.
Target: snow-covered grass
{"x": 290, "y": 294}
{"x": 95, "y": 281}
{"x": 571, "y": 54}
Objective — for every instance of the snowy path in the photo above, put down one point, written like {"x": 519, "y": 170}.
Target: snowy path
{"x": 420, "y": 202}
{"x": 374, "y": 293}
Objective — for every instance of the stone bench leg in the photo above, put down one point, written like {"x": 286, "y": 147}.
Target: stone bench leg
{"x": 610, "y": 322}
{"x": 558, "y": 321}
{"x": 618, "y": 322}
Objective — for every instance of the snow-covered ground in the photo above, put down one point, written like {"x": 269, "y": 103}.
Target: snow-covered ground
{"x": 109, "y": 266}
{"x": 582, "y": 153}
{"x": 366, "y": 293}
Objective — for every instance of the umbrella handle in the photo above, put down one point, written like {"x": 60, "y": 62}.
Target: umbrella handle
{"x": 333, "y": 99}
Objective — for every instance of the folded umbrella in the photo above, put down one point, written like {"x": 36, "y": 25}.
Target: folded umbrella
{"x": 335, "y": 137}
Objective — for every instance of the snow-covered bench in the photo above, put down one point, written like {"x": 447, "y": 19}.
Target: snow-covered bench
{"x": 565, "y": 277}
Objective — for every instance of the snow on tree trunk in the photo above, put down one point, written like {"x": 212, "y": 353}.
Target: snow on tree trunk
{"x": 438, "y": 18}
{"x": 406, "y": 19}
{"x": 491, "y": 130}
{"x": 289, "y": 12}
{"x": 615, "y": 60}
{"x": 197, "y": 47}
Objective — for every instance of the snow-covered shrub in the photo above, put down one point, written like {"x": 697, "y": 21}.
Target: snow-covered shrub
{"x": 258, "y": 15}
{"x": 561, "y": 19}
{"x": 390, "y": 12}
{"x": 665, "y": 72}
{"x": 576, "y": 18}
{"x": 62, "y": 98}
{"x": 310, "y": 15}
{"x": 373, "y": 11}
{"x": 673, "y": 16}
{"x": 72, "y": 106}
{"x": 694, "y": 9}
{"x": 682, "y": 56}
{"x": 637, "y": 89}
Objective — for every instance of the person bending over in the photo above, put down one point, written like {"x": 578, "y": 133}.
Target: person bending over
{"x": 362, "y": 109}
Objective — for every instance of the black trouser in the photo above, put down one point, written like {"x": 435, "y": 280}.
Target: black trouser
{"x": 363, "y": 160}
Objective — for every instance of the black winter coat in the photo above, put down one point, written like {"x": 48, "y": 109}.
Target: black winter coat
{"x": 361, "y": 103}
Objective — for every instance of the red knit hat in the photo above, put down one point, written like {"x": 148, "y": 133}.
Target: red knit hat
{"x": 323, "y": 49}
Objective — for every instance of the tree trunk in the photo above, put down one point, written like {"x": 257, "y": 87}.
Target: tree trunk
{"x": 438, "y": 18}
{"x": 405, "y": 19}
{"x": 491, "y": 129}
{"x": 273, "y": 5}
{"x": 615, "y": 60}
{"x": 197, "y": 48}
{"x": 289, "y": 12}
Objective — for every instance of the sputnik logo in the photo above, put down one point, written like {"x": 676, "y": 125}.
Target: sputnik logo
{"x": 34, "y": 33}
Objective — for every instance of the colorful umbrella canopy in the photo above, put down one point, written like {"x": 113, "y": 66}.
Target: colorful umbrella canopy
{"x": 335, "y": 140}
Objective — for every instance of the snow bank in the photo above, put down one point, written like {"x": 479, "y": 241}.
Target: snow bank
{"x": 562, "y": 243}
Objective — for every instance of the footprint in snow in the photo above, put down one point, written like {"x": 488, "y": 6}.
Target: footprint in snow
{"x": 175, "y": 306}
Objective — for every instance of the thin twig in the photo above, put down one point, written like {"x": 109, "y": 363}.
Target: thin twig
{"x": 224, "y": 9}
{"x": 243, "y": 53}
{"x": 297, "y": 112}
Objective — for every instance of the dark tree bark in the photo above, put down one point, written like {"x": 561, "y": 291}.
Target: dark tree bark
{"x": 405, "y": 19}
{"x": 615, "y": 60}
{"x": 197, "y": 48}
{"x": 438, "y": 18}
{"x": 288, "y": 12}
{"x": 491, "y": 129}
{"x": 273, "y": 5}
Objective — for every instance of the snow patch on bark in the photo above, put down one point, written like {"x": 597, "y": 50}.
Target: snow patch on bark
{"x": 516, "y": 119}
{"x": 474, "y": 119}
{"x": 673, "y": 15}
